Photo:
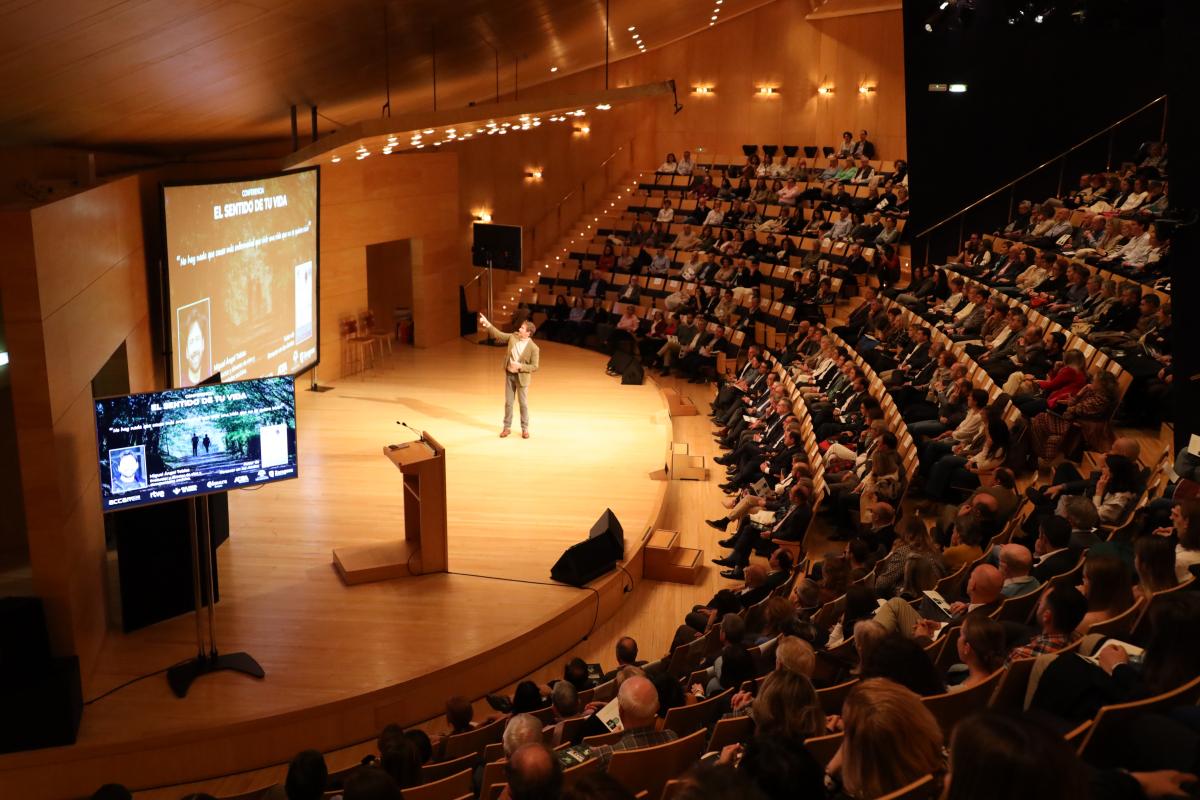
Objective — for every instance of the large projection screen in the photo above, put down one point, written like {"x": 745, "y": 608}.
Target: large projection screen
{"x": 242, "y": 277}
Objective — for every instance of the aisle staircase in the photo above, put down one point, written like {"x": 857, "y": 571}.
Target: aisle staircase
{"x": 523, "y": 287}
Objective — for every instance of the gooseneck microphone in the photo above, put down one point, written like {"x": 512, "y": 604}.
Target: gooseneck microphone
{"x": 420, "y": 436}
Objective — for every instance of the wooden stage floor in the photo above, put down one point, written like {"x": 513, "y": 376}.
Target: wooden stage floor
{"x": 341, "y": 661}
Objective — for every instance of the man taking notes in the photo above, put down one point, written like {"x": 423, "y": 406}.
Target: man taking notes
{"x": 520, "y": 361}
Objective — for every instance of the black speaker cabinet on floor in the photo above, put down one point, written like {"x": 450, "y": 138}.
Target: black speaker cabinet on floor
{"x": 154, "y": 560}
{"x": 24, "y": 640}
{"x": 609, "y": 529}
{"x": 584, "y": 562}
{"x": 41, "y": 707}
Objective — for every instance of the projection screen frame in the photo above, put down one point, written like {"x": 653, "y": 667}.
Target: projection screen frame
{"x": 165, "y": 269}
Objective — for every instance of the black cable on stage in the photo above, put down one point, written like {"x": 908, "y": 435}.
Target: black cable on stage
{"x": 132, "y": 681}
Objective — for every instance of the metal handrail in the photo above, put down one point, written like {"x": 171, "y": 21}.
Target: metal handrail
{"x": 1040, "y": 167}
{"x": 571, "y": 193}
{"x": 580, "y": 190}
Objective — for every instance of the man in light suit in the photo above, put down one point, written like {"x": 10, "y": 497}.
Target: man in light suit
{"x": 520, "y": 361}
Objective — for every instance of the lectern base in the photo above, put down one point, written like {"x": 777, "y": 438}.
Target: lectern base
{"x": 384, "y": 561}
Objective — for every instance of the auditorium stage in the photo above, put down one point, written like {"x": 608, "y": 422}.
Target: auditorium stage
{"x": 343, "y": 661}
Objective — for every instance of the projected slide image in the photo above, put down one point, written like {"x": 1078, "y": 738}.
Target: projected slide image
{"x": 194, "y": 323}
{"x": 165, "y": 445}
{"x": 248, "y": 249}
{"x": 304, "y": 302}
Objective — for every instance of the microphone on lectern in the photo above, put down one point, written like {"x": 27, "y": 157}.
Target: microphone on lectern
{"x": 420, "y": 436}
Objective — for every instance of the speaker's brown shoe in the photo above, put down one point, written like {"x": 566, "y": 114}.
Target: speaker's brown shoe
{"x": 524, "y": 434}
{"x": 505, "y": 433}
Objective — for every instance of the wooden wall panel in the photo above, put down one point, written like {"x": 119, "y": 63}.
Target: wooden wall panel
{"x": 772, "y": 45}
{"x": 381, "y": 200}
{"x": 78, "y": 294}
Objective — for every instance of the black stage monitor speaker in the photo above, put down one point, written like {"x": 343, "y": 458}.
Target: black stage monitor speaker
{"x": 24, "y": 640}
{"x": 633, "y": 375}
{"x": 497, "y": 246}
{"x": 620, "y": 361}
{"x": 41, "y": 708}
{"x": 609, "y": 528}
{"x": 584, "y": 562}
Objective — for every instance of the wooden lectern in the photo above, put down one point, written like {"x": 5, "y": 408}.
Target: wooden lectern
{"x": 423, "y": 549}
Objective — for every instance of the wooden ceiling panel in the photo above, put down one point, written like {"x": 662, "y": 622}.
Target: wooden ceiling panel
{"x": 157, "y": 74}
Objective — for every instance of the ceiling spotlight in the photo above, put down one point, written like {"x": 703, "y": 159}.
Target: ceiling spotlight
{"x": 865, "y": 89}
{"x": 427, "y": 130}
{"x": 825, "y": 90}
{"x": 534, "y": 174}
{"x": 768, "y": 90}
{"x": 554, "y": 69}
{"x": 714, "y": 17}
{"x": 603, "y": 107}
{"x": 957, "y": 88}
{"x": 702, "y": 89}
{"x": 632, "y": 28}
{"x": 336, "y": 159}
{"x": 420, "y": 146}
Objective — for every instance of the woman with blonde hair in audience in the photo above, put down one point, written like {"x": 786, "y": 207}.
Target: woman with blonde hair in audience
{"x": 981, "y": 648}
{"x": 787, "y": 705}
{"x": 884, "y": 483}
{"x": 891, "y": 739}
{"x": 1108, "y": 587}
{"x": 1154, "y": 563}
{"x": 751, "y": 215}
{"x": 913, "y": 540}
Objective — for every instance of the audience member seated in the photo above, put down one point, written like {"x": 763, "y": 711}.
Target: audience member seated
{"x": 637, "y": 705}
{"x": 1108, "y": 587}
{"x": 881, "y": 716}
{"x": 1060, "y": 610}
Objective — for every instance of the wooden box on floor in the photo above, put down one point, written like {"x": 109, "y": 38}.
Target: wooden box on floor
{"x": 679, "y": 405}
{"x": 667, "y": 560}
{"x": 685, "y": 466}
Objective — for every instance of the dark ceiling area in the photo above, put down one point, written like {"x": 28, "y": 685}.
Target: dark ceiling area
{"x": 163, "y": 75}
